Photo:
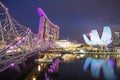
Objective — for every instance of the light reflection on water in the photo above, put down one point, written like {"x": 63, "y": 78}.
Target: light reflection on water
{"x": 34, "y": 78}
{"x": 106, "y": 63}
{"x": 39, "y": 68}
{"x": 38, "y": 71}
{"x": 118, "y": 63}
{"x": 97, "y": 65}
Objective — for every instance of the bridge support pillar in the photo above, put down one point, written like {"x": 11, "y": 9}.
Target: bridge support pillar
{"x": 24, "y": 65}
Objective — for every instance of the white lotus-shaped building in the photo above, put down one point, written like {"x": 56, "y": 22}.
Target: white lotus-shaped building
{"x": 95, "y": 38}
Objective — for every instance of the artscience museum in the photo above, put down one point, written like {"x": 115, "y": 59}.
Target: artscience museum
{"x": 95, "y": 39}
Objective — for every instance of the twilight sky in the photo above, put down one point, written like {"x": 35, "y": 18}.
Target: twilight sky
{"x": 74, "y": 17}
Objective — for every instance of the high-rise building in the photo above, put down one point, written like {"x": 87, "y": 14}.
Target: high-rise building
{"x": 116, "y": 36}
{"x": 47, "y": 30}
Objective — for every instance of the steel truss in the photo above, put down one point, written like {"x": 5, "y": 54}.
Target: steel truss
{"x": 17, "y": 42}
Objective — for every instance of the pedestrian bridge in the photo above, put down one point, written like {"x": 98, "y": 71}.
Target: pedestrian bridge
{"x": 17, "y": 42}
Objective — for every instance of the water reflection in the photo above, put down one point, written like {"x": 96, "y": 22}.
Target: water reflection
{"x": 39, "y": 68}
{"x": 118, "y": 63}
{"x": 37, "y": 72}
{"x": 34, "y": 78}
{"x": 68, "y": 57}
{"x": 105, "y": 66}
{"x": 97, "y": 65}
{"x": 111, "y": 61}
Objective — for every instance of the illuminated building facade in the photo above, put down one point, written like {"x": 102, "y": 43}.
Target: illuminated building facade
{"x": 64, "y": 43}
{"x": 47, "y": 30}
{"x": 95, "y": 39}
{"x": 116, "y": 36}
{"x": 67, "y": 45}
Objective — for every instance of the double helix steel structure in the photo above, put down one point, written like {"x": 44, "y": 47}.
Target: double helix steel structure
{"x": 17, "y": 42}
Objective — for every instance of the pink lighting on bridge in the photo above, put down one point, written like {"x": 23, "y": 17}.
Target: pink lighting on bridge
{"x": 19, "y": 41}
{"x": 12, "y": 64}
{"x": 11, "y": 47}
{"x": 6, "y": 8}
{"x": 23, "y": 38}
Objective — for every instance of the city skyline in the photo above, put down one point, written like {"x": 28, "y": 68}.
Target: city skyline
{"x": 73, "y": 17}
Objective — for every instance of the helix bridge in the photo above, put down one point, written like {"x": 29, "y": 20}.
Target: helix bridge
{"x": 17, "y": 42}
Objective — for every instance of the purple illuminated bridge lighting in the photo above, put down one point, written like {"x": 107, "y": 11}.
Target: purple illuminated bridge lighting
{"x": 11, "y": 47}
{"x": 12, "y": 64}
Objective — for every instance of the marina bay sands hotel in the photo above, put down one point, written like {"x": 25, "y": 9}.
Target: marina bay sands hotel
{"x": 48, "y": 32}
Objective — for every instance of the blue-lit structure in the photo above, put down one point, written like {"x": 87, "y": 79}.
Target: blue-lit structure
{"x": 106, "y": 35}
{"x": 97, "y": 65}
{"x": 95, "y": 38}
